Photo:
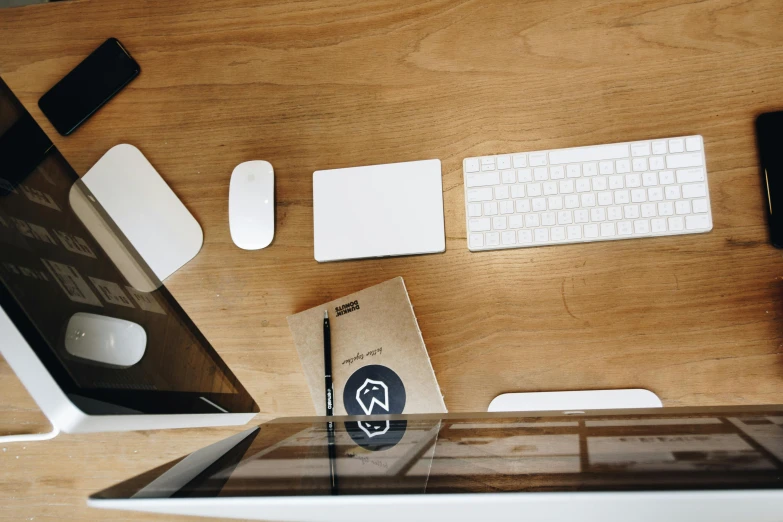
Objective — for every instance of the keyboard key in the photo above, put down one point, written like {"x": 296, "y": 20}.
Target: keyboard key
{"x": 537, "y": 159}
{"x": 701, "y": 221}
{"x": 524, "y": 175}
{"x": 624, "y": 228}
{"x": 657, "y": 163}
{"x": 541, "y": 235}
{"x": 648, "y": 210}
{"x": 700, "y": 206}
{"x": 682, "y": 207}
{"x": 595, "y": 153}
{"x": 658, "y": 225}
{"x": 573, "y": 171}
{"x": 607, "y": 229}
{"x": 590, "y": 169}
{"x": 482, "y": 194}
{"x": 600, "y": 183}
{"x": 550, "y": 188}
{"x": 676, "y": 145}
{"x": 479, "y": 224}
{"x": 581, "y": 216}
{"x": 566, "y": 186}
{"x": 697, "y": 190}
{"x": 487, "y": 166}
{"x": 616, "y": 182}
{"x": 564, "y": 217}
{"x": 499, "y": 223}
{"x": 548, "y": 219}
{"x": 571, "y": 201}
{"x": 681, "y": 161}
{"x": 588, "y": 200}
{"x": 509, "y": 237}
{"x": 488, "y": 160}
{"x": 633, "y": 180}
{"x": 692, "y": 144}
{"x": 476, "y": 240}
{"x": 516, "y": 221}
{"x": 631, "y": 211}
{"x": 622, "y": 166}
{"x": 474, "y": 210}
{"x": 541, "y": 174}
{"x": 533, "y": 189}
{"x": 472, "y": 165}
{"x": 574, "y": 232}
{"x": 591, "y": 231}
{"x": 517, "y": 191}
{"x": 641, "y": 226}
{"x": 525, "y": 236}
{"x": 557, "y": 233}
{"x": 520, "y": 160}
{"x": 666, "y": 177}
{"x": 583, "y": 185}
{"x": 597, "y": 214}
{"x": 614, "y": 213}
{"x": 555, "y": 203}
{"x": 621, "y": 197}
{"x": 659, "y": 147}
{"x": 640, "y": 149}
{"x": 666, "y": 208}
{"x": 606, "y": 167}
{"x": 492, "y": 238}
{"x": 523, "y": 205}
{"x": 639, "y": 164}
{"x": 506, "y": 206}
{"x": 502, "y": 192}
{"x": 532, "y": 220}
{"x": 672, "y": 192}
{"x": 638, "y": 195}
{"x": 485, "y": 179}
{"x": 655, "y": 194}
{"x": 690, "y": 175}
{"x": 509, "y": 176}
{"x": 557, "y": 172}
{"x": 539, "y": 204}
{"x": 504, "y": 162}
{"x": 676, "y": 223}
{"x": 649, "y": 179}
{"x": 491, "y": 208}
{"x": 605, "y": 198}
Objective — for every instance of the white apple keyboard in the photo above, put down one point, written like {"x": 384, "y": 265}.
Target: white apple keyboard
{"x": 584, "y": 194}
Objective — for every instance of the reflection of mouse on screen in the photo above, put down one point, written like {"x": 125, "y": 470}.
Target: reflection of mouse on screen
{"x": 105, "y": 339}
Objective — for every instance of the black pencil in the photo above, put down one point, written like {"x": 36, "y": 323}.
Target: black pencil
{"x": 329, "y": 404}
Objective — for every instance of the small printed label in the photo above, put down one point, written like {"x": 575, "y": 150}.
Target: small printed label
{"x": 24, "y": 228}
{"x": 72, "y": 283}
{"x": 146, "y": 302}
{"x": 74, "y": 244}
{"x": 41, "y": 233}
{"x": 111, "y": 292}
{"x": 42, "y": 198}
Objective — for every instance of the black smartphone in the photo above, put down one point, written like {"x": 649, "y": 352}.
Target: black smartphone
{"x": 769, "y": 134}
{"x": 89, "y": 86}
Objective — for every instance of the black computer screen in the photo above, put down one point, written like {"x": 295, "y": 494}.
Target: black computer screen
{"x": 52, "y": 268}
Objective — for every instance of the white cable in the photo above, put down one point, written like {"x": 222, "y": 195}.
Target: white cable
{"x": 31, "y": 437}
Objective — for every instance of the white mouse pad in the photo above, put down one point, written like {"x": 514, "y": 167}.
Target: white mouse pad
{"x": 378, "y": 211}
{"x": 145, "y": 209}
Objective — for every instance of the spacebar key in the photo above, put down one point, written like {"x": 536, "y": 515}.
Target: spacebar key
{"x": 596, "y": 153}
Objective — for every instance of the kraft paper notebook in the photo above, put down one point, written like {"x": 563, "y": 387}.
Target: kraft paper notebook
{"x": 379, "y": 362}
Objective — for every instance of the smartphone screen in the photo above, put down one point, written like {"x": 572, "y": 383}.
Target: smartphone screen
{"x": 769, "y": 132}
{"x": 89, "y": 86}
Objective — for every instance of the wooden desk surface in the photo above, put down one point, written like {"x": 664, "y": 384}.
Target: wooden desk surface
{"x": 321, "y": 84}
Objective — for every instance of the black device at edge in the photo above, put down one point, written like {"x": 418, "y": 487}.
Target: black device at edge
{"x": 89, "y": 86}
{"x": 769, "y": 133}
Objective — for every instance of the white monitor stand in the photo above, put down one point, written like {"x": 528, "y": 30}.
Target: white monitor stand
{"x": 575, "y": 401}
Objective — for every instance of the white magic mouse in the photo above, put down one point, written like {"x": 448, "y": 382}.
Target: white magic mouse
{"x": 251, "y": 205}
{"x": 105, "y": 339}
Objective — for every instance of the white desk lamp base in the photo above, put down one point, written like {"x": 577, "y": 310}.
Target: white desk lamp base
{"x": 575, "y": 401}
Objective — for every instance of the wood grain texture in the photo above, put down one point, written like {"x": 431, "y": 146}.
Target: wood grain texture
{"x": 318, "y": 84}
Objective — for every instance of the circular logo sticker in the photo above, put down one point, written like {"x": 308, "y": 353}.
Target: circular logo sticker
{"x": 374, "y": 435}
{"x": 374, "y": 390}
